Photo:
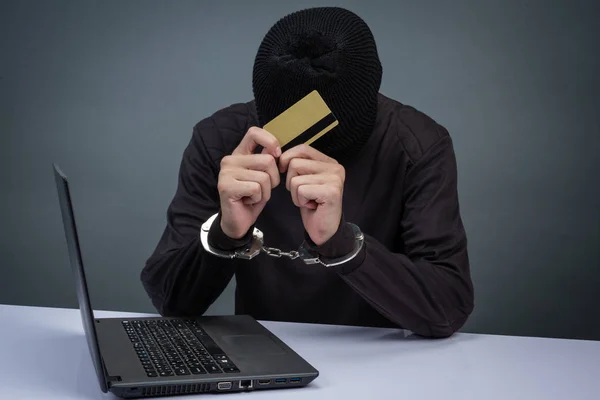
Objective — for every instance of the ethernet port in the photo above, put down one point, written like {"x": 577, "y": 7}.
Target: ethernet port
{"x": 246, "y": 384}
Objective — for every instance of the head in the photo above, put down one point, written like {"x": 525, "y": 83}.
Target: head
{"x": 328, "y": 49}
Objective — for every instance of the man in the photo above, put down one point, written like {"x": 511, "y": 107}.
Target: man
{"x": 387, "y": 169}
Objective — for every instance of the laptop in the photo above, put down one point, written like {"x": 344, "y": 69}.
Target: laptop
{"x": 161, "y": 356}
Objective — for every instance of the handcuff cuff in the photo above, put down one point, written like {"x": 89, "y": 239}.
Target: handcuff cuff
{"x": 256, "y": 246}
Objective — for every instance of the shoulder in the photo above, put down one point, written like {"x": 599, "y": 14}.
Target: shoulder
{"x": 415, "y": 131}
{"x": 218, "y": 134}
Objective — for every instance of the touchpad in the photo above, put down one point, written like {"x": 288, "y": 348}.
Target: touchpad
{"x": 252, "y": 344}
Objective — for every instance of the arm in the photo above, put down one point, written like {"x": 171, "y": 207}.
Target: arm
{"x": 180, "y": 277}
{"x": 427, "y": 288}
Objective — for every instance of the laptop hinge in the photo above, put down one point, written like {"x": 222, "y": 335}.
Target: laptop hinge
{"x": 107, "y": 378}
{"x": 111, "y": 379}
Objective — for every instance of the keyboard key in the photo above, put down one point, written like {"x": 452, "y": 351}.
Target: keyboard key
{"x": 213, "y": 369}
{"x": 211, "y": 347}
{"x": 230, "y": 370}
{"x": 197, "y": 370}
{"x": 182, "y": 371}
{"x": 165, "y": 373}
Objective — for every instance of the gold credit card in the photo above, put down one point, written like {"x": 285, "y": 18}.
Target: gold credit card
{"x": 304, "y": 122}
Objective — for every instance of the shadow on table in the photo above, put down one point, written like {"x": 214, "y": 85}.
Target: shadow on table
{"x": 343, "y": 331}
{"x": 354, "y": 334}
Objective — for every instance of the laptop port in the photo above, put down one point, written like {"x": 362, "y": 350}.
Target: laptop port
{"x": 224, "y": 385}
{"x": 264, "y": 381}
{"x": 280, "y": 380}
{"x": 295, "y": 380}
{"x": 246, "y": 384}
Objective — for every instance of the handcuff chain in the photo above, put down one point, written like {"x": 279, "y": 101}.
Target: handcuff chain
{"x": 256, "y": 247}
{"x": 274, "y": 252}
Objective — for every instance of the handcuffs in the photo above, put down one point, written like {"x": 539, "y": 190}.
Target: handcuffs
{"x": 256, "y": 246}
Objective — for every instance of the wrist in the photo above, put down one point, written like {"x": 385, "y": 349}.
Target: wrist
{"x": 340, "y": 251}
{"x": 321, "y": 237}
{"x": 221, "y": 239}
{"x": 232, "y": 233}
{"x": 215, "y": 242}
{"x": 339, "y": 244}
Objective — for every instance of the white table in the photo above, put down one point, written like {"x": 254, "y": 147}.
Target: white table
{"x": 44, "y": 355}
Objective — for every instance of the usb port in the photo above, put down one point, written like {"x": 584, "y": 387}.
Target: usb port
{"x": 295, "y": 380}
{"x": 280, "y": 380}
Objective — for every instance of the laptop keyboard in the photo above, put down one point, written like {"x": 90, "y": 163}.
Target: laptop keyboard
{"x": 169, "y": 347}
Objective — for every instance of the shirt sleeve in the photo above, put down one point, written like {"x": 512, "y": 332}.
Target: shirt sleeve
{"x": 427, "y": 288}
{"x": 180, "y": 277}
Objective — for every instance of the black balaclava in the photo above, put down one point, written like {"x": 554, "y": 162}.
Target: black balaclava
{"x": 328, "y": 49}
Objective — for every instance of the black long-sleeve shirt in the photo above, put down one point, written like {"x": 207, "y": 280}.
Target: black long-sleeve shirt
{"x": 401, "y": 190}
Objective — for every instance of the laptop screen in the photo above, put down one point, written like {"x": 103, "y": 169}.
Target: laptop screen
{"x": 87, "y": 316}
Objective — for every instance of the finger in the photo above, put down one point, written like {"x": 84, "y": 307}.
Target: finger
{"x": 298, "y": 181}
{"x": 236, "y": 190}
{"x": 258, "y": 137}
{"x": 301, "y": 166}
{"x": 308, "y": 195}
{"x": 260, "y": 177}
{"x": 256, "y": 162}
{"x": 302, "y": 151}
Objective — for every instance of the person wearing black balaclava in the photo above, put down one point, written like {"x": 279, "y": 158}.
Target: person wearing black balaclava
{"x": 375, "y": 199}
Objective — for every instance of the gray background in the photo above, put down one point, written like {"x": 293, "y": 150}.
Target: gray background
{"x": 111, "y": 89}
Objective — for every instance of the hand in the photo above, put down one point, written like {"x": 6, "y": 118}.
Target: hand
{"x": 316, "y": 183}
{"x": 246, "y": 180}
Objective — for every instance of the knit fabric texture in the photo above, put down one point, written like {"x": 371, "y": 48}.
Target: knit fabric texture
{"x": 328, "y": 49}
